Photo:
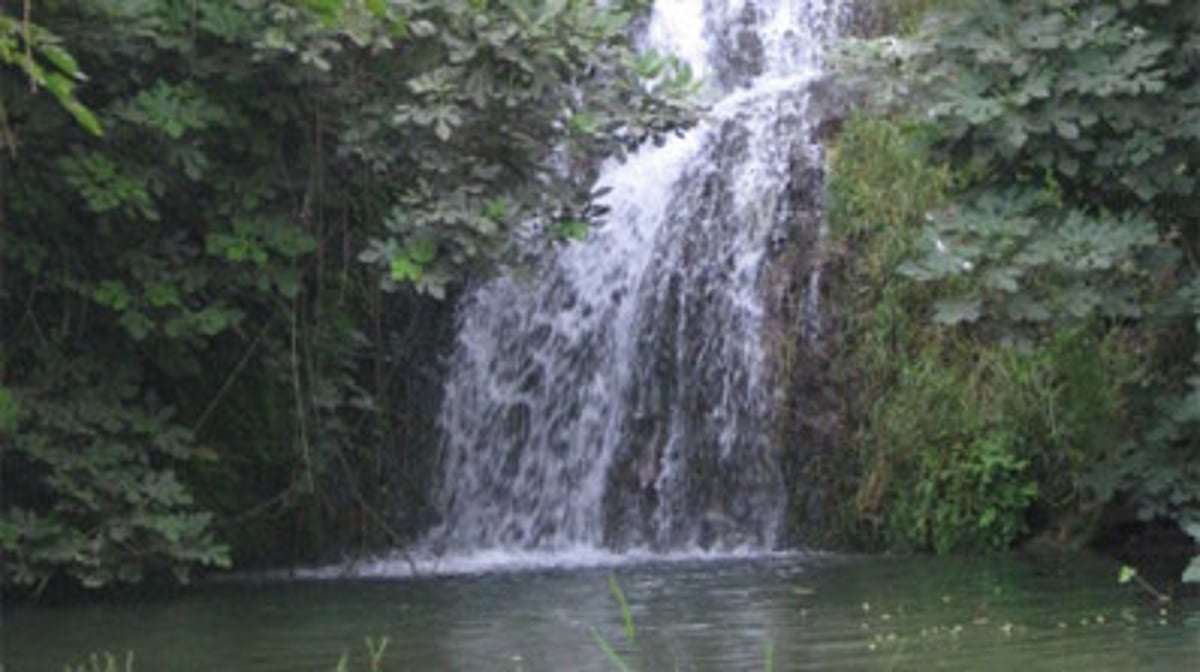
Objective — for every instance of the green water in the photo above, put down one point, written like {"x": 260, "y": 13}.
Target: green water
{"x": 816, "y": 613}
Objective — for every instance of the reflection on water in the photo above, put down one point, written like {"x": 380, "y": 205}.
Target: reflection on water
{"x": 817, "y": 613}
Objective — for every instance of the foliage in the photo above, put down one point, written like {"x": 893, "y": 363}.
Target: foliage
{"x": 614, "y": 587}
{"x": 1192, "y": 573}
{"x": 195, "y": 346}
{"x": 39, "y": 54}
{"x": 492, "y": 105}
{"x": 958, "y": 441}
{"x": 1073, "y": 127}
{"x": 971, "y": 489}
{"x": 375, "y": 650}
{"x": 108, "y": 662}
{"x": 618, "y": 663}
{"x": 103, "y": 511}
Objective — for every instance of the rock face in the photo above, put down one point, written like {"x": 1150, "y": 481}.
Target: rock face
{"x": 629, "y": 397}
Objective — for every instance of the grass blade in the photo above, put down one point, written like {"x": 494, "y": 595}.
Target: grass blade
{"x": 626, "y": 612}
{"x": 613, "y": 656}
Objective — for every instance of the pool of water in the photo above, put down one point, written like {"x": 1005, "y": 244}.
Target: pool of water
{"x": 804, "y": 612}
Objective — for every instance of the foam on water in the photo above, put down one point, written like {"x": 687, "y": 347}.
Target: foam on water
{"x": 495, "y": 561}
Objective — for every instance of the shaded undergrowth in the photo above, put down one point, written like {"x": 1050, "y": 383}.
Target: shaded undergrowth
{"x": 963, "y": 439}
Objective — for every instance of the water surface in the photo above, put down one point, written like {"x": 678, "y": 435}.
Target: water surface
{"x": 817, "y": 613}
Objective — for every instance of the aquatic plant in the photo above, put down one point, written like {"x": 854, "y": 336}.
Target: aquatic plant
{"x": 102, "y": 662}
{"x": 618, "y": 662}
{"x": 375, "y": 650}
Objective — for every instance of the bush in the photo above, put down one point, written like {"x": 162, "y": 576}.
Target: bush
{"x": 959, "y": 439}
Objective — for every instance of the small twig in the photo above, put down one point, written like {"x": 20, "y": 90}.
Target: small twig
{"x": 1162, "y": 597}
{"x": 257, "y": 508}
{"x": 31, "y": 317}
{"x": 28, "y": 28}
{"x": 374, "y": 514}
{"x": 1128, "y": 574}
{"x": 233, "y": 375}
{"x": 300, "y": 412}
{"x": 8, "y": 140}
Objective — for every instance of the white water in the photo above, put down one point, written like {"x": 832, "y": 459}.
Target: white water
{"x": 507, "y": 560}
{"x": 617, "y": 405}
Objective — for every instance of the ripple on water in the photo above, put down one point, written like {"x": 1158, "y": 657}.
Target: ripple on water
{"x": 818, "y": 613}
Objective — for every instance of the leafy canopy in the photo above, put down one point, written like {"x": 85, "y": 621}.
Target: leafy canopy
{"x": 193, "y": 339}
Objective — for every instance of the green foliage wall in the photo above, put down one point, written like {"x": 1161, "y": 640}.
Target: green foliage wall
{"x": 958, "y": 440}
{"x": 1067, "y": 243}
{"x": 225, "y": 245}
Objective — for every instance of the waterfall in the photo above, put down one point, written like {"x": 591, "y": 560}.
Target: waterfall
{"x": 620, "y": 395}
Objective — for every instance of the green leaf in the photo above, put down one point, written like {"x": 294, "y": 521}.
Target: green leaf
{"x": 573, "y": 229}
{"x": 585, "y": 122}
{"x": 611, "y": 653}
{"x": 442, "y": 129}
{"x": 112, "y": 293}
{"x": 422, "y": 251}
{"x": 162, "y": 295}
{"x": 1192, "y": 573}
{"x": 404, "y": 268}
{"x": 328, "y": 10}
{"x": 1126, "y": 574}
{"x": 62, "y": 60}
{"x": 614, "y": 587}
{"x": 378, "y": 8}
{"x": 137, "y": 325}
{"x": 212, "y": 320}
{"x": 496, "y": 209}
{"x": 1066, "y": 129}
{"x": 649, "y": 64}
{"x": 957, "y": 311}
{"x": 287, "y": 281}
{"x": 10, "y": 410}
{"x": 84, "y": 117}
{"x": 62, "y": 87}
{"x": 422, "y": 28}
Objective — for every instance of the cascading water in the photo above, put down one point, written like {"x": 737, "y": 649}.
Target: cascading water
{"x": 621, "y": 399}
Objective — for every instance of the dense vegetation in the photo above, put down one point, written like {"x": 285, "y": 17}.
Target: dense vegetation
{"x": 1015, "y": 222}
{"x": 223, "y": 249}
